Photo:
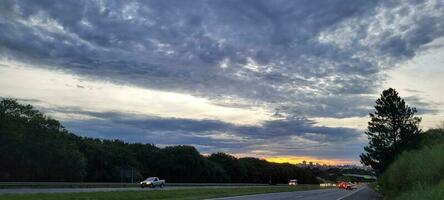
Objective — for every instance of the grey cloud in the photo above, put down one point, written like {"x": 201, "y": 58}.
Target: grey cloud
{"x": 302, "y": 58}
{"x": 212, "y": 136}
{"x": 157, "y": 45}
{"x": 422, "y": 106}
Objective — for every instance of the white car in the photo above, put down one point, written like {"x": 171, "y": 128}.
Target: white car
{"x": 293, "y": 182}
{"x": 152, "y": 182}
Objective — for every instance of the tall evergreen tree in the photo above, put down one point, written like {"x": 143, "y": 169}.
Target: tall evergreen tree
{"x": 392, "y": 129}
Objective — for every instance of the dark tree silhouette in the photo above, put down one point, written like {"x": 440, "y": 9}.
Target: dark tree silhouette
{"x": 230, "y": 164}
{"x": 34, "y": 147}
{"x": 392, "y": 129}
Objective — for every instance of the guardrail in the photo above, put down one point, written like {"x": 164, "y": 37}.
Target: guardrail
{"x": 107, "y": 185}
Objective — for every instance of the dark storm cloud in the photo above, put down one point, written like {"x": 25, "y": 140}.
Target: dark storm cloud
{"x": 423, "y": 106}
{"x": 302, "y": 58}
{"x": 208, "y": 135}
{"x": 268, "y": 130}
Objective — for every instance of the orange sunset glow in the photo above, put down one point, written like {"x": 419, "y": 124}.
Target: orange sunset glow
{"x": 300, "y": 159}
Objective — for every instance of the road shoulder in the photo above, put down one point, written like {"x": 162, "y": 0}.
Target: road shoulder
{"x": 363, "y": 193}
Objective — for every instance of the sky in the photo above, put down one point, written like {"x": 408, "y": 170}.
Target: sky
{"x": 286, "y": 81}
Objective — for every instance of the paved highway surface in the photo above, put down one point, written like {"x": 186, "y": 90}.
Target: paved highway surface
{"x": 362, "y": 193}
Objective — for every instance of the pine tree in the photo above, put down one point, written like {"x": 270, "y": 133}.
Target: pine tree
{"x": 393, "y": 128}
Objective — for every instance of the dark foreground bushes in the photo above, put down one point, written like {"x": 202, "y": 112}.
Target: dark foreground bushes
{"x": 417, "y": 174}
{"x": 34, "y": 147}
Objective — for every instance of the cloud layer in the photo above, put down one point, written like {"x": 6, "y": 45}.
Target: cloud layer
{"x": 297, "y": 59}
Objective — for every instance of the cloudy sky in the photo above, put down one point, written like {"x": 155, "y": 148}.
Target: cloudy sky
{"x": 281, "y": 80}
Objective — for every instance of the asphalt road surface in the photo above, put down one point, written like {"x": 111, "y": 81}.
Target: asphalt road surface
{"x": 362, "y": 193}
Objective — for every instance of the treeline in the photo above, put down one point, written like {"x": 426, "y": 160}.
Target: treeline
{"x": 34, "y": 147}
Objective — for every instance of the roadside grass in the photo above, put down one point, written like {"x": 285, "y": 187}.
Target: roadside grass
{"x": 430, "y": 193}
{"x": 416, "y": 174}
{"x": 375, "y": 186}
{"x": 185, "y": 194}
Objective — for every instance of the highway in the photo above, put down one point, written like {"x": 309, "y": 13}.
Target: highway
{"x": 362, "y": 193}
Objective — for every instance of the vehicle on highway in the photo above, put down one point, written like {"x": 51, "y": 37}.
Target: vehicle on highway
{"x": 346, "y": 186}
{"x": 327, "y": 185}
{"x": 152, "y": 182}
{"x": 293, "y": 182}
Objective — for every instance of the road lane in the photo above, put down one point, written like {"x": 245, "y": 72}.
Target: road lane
{"x": 365, "y": 193}
{"x": 362, "y": 193}
{"x": 323, "y": 194}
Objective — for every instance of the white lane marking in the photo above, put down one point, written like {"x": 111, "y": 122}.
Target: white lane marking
{"x": 272, "y": 193}
{"x": 349, "y": 194}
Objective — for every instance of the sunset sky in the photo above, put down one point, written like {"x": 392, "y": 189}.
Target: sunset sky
{"x": 281, "y": 80}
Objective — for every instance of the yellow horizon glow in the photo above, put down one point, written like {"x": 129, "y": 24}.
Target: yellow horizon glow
{"x": 300, "y": 159}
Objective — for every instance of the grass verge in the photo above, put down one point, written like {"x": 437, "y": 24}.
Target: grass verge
{"x": 185, "y": 194}
{"x": 415, "y": 175}
{"x": 375, "y": 187}
{"x": 420, "y": 192}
